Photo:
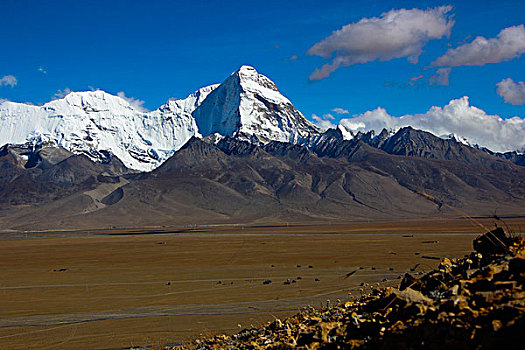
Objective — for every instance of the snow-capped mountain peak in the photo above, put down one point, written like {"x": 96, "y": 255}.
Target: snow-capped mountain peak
{"x": 253, "y": 82}
{"x": 98, "y": 124}
{"x": 249, "y": 105}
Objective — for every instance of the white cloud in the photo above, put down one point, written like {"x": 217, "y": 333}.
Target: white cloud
{"x": 134, "y": 102}
{"x": 395, "y": 34}
{"x": 42, "y": 70}
{"x": 323, "y": 123}
{"x": 509, "y": 44}
{"x": 340, "y": 110}
{"x": 441, "y": 77}
{"x": 8, "y": 80}
{"x": 458, "y": 118}
{"x": 61, "y": 93}
{"x": 513, "y": 93}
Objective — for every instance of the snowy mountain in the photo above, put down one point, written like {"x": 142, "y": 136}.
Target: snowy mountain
{"x": 99, "y": 125}
{"x": 249, "y": 105}
{"x": 187, "y": 105}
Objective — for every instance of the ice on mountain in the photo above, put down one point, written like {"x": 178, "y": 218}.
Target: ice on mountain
{"x": 98, "y": 124}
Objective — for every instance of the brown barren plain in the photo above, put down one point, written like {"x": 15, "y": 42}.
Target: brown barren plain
{"x": 117, "y": 289}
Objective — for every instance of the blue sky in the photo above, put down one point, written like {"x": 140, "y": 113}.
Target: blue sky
{"x": 155, "y": 50}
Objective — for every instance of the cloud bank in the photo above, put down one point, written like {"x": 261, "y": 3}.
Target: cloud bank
{"x": 8, "y": 80}
{"x": 395, "y": 34}
{"x": 323, "y": 123}
{"x": 458, "y": 118}
{"x": 509, "y": 44}
{"x": 513, "y": 93}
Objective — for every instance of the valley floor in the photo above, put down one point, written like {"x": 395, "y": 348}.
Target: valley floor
{"x": 117, "y": 289}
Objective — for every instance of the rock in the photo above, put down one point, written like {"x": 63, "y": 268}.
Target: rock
{"x": 493, "y": 242}
{"x": 412, "y": 296}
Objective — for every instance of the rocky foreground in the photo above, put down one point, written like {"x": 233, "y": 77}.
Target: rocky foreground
{"x": 476, "y": 302}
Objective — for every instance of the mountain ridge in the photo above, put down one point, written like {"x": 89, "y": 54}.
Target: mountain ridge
{"x": 246, "y": 105}
{"x": 229, "y": 153}
{"x": 230, "y": 180}
{"x": 101, "y": 125}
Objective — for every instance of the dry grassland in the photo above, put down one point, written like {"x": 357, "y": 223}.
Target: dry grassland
{"x": 110, "y": 290}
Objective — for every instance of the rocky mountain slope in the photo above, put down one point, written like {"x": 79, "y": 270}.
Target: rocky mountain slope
{"x": 409, "y": 142}
{"x": 31, "y": 176}
{"x": 210, "y": 181}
